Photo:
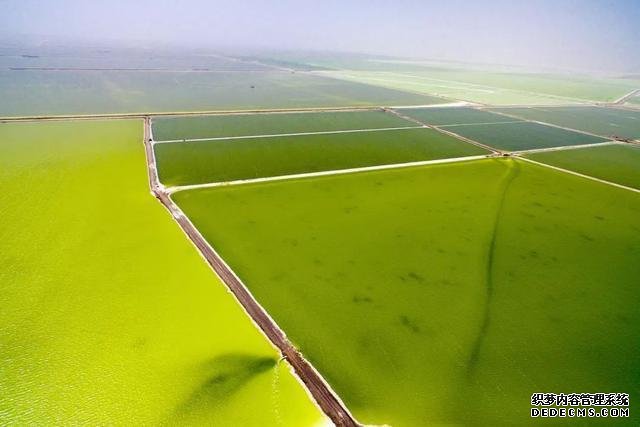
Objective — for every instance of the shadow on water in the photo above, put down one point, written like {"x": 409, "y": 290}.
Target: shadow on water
{"x": 512, "y": 172}
{"x": 224, "y": 375}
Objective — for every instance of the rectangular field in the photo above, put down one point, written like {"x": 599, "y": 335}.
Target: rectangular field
{"x": 491, "y": 279}
{"x": 37, "y": 92}
{"x": 615, "y": 163}
{"x": 186, "y": 163}
{"x": 523, "y": 136}
{"x": 454, "y": 116}
{"x": 488, "y": 87}
{"x": 109, "y": 316}
{"x": 198, "y": 127}
{"x": 608, "y": 122}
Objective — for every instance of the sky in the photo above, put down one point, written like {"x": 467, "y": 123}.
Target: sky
{"x": 596, "y": 35}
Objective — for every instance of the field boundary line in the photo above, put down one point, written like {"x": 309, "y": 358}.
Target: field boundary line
{"x": 353, "y": 79}
{"x": 279, "y": 135}
{"x": 143, "y": 115}
{"x": 455, "y": 104}
{"x": 316, "y": 386}
{"x": 497, "y": 88}
{"x": 513, "y": 116}
{"x": 154, "y": 181}
{"x": 177, "y": 188}
{"x": 480, "y": 124}
{"x": 469, "y": 86}
{"x": 624, "y": 98}
{"x": 577, "y": 105}
{"x": 592, "y": 178}
{"x": 134, "y": 70}
{"x": 510, "y": 106}
{"x": 443, "y": 131}
{"x": 566, "y": 147}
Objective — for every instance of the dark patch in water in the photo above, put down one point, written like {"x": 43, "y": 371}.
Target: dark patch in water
{"x": 409, "y": 324}
{"x": 278, "y": 276}
{"x": 140, "y": 343}
{"x": 415, "y": 276}
{"x": 587, "y": 237}
{"x": 224, "y": 376}
{"x": 358, "y": 299}
{"x": 291, "y": 242}
{"x": 474, "y": 355}
{"x": 446, "y": 282}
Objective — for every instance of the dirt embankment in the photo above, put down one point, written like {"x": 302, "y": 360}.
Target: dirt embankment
{"x": 315, "y": 384}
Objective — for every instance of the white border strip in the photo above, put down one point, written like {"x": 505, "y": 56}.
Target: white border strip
{"x": 515, "y": 116}
{"x": 627, "y": 96}
{"x": 171, "y": 190}
{"x": 602, "y": 181}
{"x": 481, "y": 124}
{"x": 566, "y": 147}
{"x": 279, "y": 135}
{"x": 447, "y": 105}
{"x": 176, "y": 213}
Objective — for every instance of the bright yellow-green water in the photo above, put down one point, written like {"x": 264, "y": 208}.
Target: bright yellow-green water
{"x": 109, "y": 316}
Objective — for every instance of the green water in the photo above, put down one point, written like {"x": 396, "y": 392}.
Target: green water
{"x": 598, "y": 120}
{"x": 443, "y": 293}
{"x": 269, "y": 124}
{"x": 616, "y": 163}
{"x": 182, "y": 163}
{"x": 523, "y": 136}
{"x": 484, "y": 86}
{"x": 86, "y": 92}
{"x": 453, "y": 116}
{"x": 109, "y": 316}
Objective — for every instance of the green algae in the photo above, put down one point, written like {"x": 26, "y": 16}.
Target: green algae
{"x": 615, "y": 163}
{"x": 182, "y": 163}
{"x": 196, "y": 127}
{"x": 443, "y": 293}
{"x": 109, "y": 316}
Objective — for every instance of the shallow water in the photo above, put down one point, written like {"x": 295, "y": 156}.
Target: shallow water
{"x": 523, "y": 136}
{"x": 268, "y": 124}
{"x": 444, "y": 293}
{"x": 109, "y": 316}
{"x": 598, "y": 120}
{"x": 183, "y": 163}
{"x": 615, "y": 163}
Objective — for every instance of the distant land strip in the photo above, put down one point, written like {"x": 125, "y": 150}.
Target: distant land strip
{"x": 168, "y": 70}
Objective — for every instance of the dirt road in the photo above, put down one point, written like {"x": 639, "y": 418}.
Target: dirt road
{"x": 326, "y": 399}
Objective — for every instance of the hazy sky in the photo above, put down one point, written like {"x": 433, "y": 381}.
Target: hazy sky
{"x": 588, "y": 34}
